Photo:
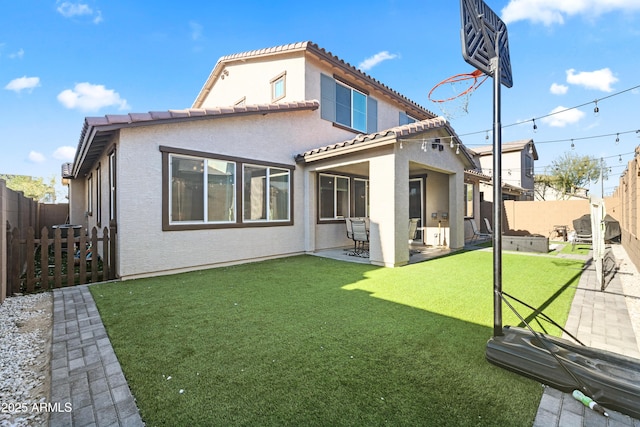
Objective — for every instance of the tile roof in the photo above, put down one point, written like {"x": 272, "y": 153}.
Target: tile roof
{"x": 366, "y": 141}
{"x": 506, "y": 147}
{"x": 97, "y": 131}
{"x": 315, "y": 50}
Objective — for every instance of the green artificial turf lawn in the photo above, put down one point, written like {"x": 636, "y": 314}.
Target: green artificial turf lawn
{"x": 309, "y": 341}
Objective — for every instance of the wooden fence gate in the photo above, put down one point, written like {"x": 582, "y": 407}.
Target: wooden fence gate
{"x": 46, "y": 263}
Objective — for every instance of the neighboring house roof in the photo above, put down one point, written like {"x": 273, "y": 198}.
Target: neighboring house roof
{"x": 508, "y": 147}
{"x": 97, "y": 131}
{"x": 319, "y": 53}
{"x": 363, "y": 142}
{"x": 477, "y": 175}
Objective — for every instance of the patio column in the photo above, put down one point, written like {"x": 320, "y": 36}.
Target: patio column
{"x": 456, "y": 211}
{"x": 389, "y": 203}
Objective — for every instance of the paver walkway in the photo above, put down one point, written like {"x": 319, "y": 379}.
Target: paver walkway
{"x": 599, "y": 320}
{"x": 84, "y": 369}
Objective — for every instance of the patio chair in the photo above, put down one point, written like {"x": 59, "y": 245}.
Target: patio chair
{"x": 413, "y": 231}
{"x": 360, "y": 238}
{"x": 476, "y": 232}
{"x": 347, "y": 223}
{"x": 488, "y": 225}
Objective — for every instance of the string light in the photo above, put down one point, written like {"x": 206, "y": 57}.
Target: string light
{"x": 573, "y": 146}
{"x": 560, "y": 111}
{"x": 451, "y": 142}
{"x": 617, "y": 138}
{"x": 596, "y": 110}
{"x": 458, "y": 149}
{"x": 535, "y": 126}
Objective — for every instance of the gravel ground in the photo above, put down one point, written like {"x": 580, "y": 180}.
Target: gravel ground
{"x": 25, "y": 349}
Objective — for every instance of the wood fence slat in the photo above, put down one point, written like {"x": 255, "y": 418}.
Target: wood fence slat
{"x": 31, "y": 264}
{"x": 94, "y": 255}
{"x": 71, "y": 253}
{"x": 14, "y": 262}
{"x": 83, "y": 257}
{"x": 44, "y": 258}
{"x": 112, "y": 249}
{"x": 106, "y": 271}
{"x": 57, "y": 257}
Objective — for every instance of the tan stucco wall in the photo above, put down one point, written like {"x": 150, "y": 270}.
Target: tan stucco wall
{"x": 145, "y": 248}
{"x": 252, "y": 79}
{"x": 541, "y": 217}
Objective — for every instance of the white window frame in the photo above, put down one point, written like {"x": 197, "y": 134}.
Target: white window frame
{"x": 267, "y": 186}
{"x": 279, "y": 79}
{"x": 352, "y": 109}
{"x": 335, "y": 197}
{"x": 205, "y": 187}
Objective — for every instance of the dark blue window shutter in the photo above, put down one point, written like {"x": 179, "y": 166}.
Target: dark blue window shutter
{"x": 372, "y": 115}
{"x": 327, "y": 98}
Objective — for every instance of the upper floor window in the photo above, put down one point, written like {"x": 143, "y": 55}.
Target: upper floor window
{"x": 528, "y": 165}
{"x": 405, "y": 119}
{"x": 348, "y": 106}
{"x": 278, "y": 87}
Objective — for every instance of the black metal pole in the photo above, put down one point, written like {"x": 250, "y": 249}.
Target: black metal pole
{"x": 497, "y": 194}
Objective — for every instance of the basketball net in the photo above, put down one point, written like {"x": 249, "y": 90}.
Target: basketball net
{"x": 452, "y": 95}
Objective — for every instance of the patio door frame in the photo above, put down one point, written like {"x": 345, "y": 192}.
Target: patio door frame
{"x": 422, "y": 186}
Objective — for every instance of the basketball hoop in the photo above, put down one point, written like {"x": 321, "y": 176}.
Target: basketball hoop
{"x": 453, "y": 93}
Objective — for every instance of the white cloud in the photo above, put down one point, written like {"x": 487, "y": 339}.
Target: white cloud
{"x": 561, "y": 119}
{"x": 196, "y": 30}
{"x": 17, "y": 55}
{"x": 374, "y": 60}
{"x": 70, "y": 9}
{"x": 23, "y": 83}
{"x": 36, "y": 157}
{"x": 599, "y": 79}
{"x": 557, "y": 89}
{"x": 65, "y": 153}
{"x": 89, "y": 97}
{"x": 549, "y": 12}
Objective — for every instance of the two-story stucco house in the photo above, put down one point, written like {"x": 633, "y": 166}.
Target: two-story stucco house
{"x": 279, "y": 147}
{"x": 518, "y": 171}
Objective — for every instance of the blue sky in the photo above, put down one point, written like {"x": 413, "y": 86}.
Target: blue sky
{"x": 61, "y": 61}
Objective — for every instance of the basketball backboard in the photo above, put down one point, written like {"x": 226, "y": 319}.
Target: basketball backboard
{"x": 480, "y": 25}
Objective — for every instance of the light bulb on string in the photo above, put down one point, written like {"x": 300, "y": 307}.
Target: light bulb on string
{"x": 458, "y": 149}
{"x": 617, "y": 138}
{"x": 531, "y": 148}
{"x": 573, "y": 146}
{"x": 535, "y": 126}
{"x": 487, "y": 135}
{"x": 620, "y": 158}
{"x": 596, "y": 110}
{"x": 451, "y": 142}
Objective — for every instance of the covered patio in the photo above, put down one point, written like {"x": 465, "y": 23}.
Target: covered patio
{"x": 411, "y": 171}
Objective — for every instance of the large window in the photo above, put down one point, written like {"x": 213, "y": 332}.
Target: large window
{"x": 351, "y": 108}
{"x": 348, "y": 106}
{"x": 468, "y": 200}
{"x": 203, "y": 190}
{"x": 266, "y": 193}
{"x": 334, "y": 197}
